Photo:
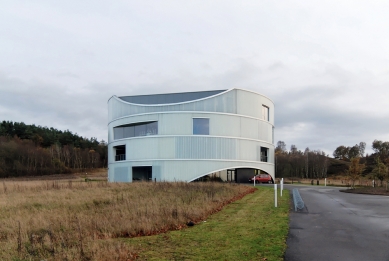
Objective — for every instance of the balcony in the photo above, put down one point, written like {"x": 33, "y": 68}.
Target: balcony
{"x": 120, "y": 157}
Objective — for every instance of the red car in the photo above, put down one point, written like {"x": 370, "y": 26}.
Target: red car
{"x": 262, "y": 178}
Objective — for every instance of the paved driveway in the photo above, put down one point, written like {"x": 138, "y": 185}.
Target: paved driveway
{"x": 338, "y": 226}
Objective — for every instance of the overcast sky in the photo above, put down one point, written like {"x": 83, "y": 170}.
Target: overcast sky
{"x": 325, "y": 64}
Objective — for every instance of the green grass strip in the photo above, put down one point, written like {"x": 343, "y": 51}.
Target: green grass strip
{"x": 248, "y": 229}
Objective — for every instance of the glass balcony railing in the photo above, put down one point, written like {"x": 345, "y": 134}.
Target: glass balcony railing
{"x": 120, "y": 157}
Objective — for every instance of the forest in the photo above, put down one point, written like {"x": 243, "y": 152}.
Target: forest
{"x": 315, "y": 164}
{"x": 29, "y": 150}
{"x": 300, "y": 164}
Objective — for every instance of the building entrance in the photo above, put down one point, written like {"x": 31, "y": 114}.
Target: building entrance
{"x": 143, "y": 173}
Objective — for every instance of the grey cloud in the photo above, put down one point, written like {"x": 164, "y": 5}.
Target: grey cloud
{"x": 328, "y": 127}
{"x": 55, "y": 106}
{"x": 328, "y": 77}
{"x": 67, "y": 75}
{"x": 276, "y": 66}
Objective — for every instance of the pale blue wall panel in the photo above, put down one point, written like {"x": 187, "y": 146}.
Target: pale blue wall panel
{"x": 205, "y": 148}
{"x": 249, "y": 103}
{"x": 175, "y": 124}
{"x": 121, "y": 174}
{"x": 142, "y": 148}
{"x": 265, "y": 131}
{"x": 248, "y": 150}
{"x": 166, "y": 148}
{"x": 225, "y": 125}
{"x": 249, "y": 128}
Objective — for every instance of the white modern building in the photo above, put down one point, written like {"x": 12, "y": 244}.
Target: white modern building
{"x": 185, "y": 136}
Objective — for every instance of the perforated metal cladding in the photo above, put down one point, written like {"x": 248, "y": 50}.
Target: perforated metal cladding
{"x": 223, "y": 103}
{"x": 169, "y": 97}
{"x": 205, "y": 148}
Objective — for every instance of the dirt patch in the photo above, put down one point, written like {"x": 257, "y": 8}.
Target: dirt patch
{"x": 368, "y": 190}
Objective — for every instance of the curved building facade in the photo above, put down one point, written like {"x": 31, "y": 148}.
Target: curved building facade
{"x": 184, "y": 136}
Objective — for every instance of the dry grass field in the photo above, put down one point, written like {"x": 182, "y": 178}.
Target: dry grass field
{"x": 94, "y": 174}
{"x": 77, "y": 220}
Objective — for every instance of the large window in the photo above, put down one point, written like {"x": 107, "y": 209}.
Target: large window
{"x": 200, "y": 126}
{"x": 265, "y": 113}
{"x": 135, "y": 130}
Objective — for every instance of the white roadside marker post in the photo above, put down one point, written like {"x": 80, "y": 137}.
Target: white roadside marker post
{"x": 254, "y": 180}
{"x": 275, "y": 194}
{"x": 282, "y": 186}
{"x": 325, "y": 182}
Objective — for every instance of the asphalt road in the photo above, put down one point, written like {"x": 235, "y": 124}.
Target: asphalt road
{"x": 338, "y": 226}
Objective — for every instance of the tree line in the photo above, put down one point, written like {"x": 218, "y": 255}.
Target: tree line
{"x": 35, "y": 150}
{"x": 348, "y": 160}
{"x": 311, "y": 164}
{"x": 44, "y": 136}
{"x": 375, "y": 166}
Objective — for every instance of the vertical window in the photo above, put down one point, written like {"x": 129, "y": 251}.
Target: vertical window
{"x": 200, "y": 126}
{"x": 265, "y": 113}
{"x": 264, "y": 154}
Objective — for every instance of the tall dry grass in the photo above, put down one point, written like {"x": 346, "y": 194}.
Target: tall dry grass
{"x": 68, "y": 220}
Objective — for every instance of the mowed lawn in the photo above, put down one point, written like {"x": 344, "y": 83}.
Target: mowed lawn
{"x": 247, "y": 229}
